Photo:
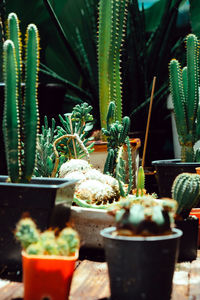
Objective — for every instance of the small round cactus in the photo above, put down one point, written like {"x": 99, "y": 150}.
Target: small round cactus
{"x": 186, "y": 191}
{"x": 27, "y": 232}
{"x": 74, "y": 165}
{"x": 144, "y": 216}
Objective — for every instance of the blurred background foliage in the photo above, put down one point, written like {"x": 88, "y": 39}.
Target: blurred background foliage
{"x": 155, "y": 34}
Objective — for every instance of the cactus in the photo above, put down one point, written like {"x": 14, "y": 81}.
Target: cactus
{"x": 144, "y": 216}
{"x": 117, "y": 137}
{"x": 46, "y": 243}
{"x": 45, "y": 156}
{"x": 186, "y": 191}
{"x": 184, "y": 86}
{"x": 20, "y": 120}
{"x": 26, "y": 232}
{"x": 112, "y": 22}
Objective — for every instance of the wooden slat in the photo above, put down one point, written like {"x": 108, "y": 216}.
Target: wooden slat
{"x": 90, "y": 281}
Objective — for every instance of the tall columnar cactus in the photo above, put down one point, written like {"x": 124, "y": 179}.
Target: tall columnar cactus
{"x": 186, "y": 191}
{"x": 184, "y": 86}
{"x": 20, "y": 121}
{"x": 112, "y": 23}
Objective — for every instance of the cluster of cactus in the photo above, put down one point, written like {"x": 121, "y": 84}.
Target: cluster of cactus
{"x": 184, "y": 86}
{"x": 144, "y": 216}
{"x": 45, "y": 156}
{"x": 186, "y": 191}
{"x": 117, "y": 137}
{"x": 111, "y": 30}
{"x": 79, "y": 123}
{"x": 20, "y": 119}
{"x": 66, "y": 243}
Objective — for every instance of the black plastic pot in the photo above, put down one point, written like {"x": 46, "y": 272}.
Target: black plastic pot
{"x": 189, "y": 240}
{"x": 166, "y": 172}
{"x": 141, "y": 267}
{"x": 37, "y": 200}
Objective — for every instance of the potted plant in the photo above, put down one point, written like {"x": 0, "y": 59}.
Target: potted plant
{"x": 141, "y": 251}
{"x": 18, "y": 191}
{"x": 186, "y": 191}
{"x": 184, "y": 87}
{"x": 48, "y": 260}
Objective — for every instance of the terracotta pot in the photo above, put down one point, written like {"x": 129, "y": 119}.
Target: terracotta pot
{"x": 47, "y": 276}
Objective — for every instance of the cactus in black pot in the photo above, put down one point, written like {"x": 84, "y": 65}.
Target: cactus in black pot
{"x": 184, "y": 87}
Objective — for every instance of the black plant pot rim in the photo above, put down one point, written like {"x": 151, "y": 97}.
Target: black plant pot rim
{"x": 107, "y": 233}
{"x": 173, "y": 162}
{"x": 38, "y": 182}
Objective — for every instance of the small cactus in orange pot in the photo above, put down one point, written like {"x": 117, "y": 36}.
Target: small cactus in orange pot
{"x": 48, "y": 260}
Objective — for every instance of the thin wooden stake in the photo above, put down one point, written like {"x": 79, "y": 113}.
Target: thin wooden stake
{"x": 148, "y": 121}
{"x": 73, "y": 141}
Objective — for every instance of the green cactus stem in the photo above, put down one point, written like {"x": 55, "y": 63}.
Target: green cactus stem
{"x": 10, "y": 117}
{"x": 186, "y": 191}
{"x": 21, "y": 118}
{"x": 112, "y": 22}
{"x": 184, "y": 86}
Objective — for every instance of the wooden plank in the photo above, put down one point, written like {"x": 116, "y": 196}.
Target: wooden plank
{"x": 11, "y": 291}
{"x": 90, "y": 281}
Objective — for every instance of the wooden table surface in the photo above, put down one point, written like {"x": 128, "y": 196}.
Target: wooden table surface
{"x": 90, "y": 282}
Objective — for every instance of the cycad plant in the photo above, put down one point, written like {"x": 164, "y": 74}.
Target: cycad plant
{"x": 184, "y": 86}
{"x": 20, "y": 120}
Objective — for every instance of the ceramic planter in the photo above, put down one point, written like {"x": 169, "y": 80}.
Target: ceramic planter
{"x": 166, "y": 172}
{"x": 141, "y": 267}
{"x": 37, "y": 199}
{"x": 189, "y": 240}
{"x": 47, "y": 276}
{"x": 89, "y": 222}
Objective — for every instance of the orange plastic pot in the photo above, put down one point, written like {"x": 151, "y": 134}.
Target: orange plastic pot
{"x": 47, "y": 276}
{"x": 196, "y": 212}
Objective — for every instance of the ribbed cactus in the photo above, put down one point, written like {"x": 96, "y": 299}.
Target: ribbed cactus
{"x": 46, "y": 243}
{"x": 20, "y": 121}
{"x": 184, "y": 86}
{"x": 112, "y": 23}
{"x": 186, "y": 191}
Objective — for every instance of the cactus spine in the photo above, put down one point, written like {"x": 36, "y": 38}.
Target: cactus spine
{"x": 186, "y": 191}
{"x": 112, "y": 22}
{"x": 184, "y": 86}
{"x": 20, "y": 122}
